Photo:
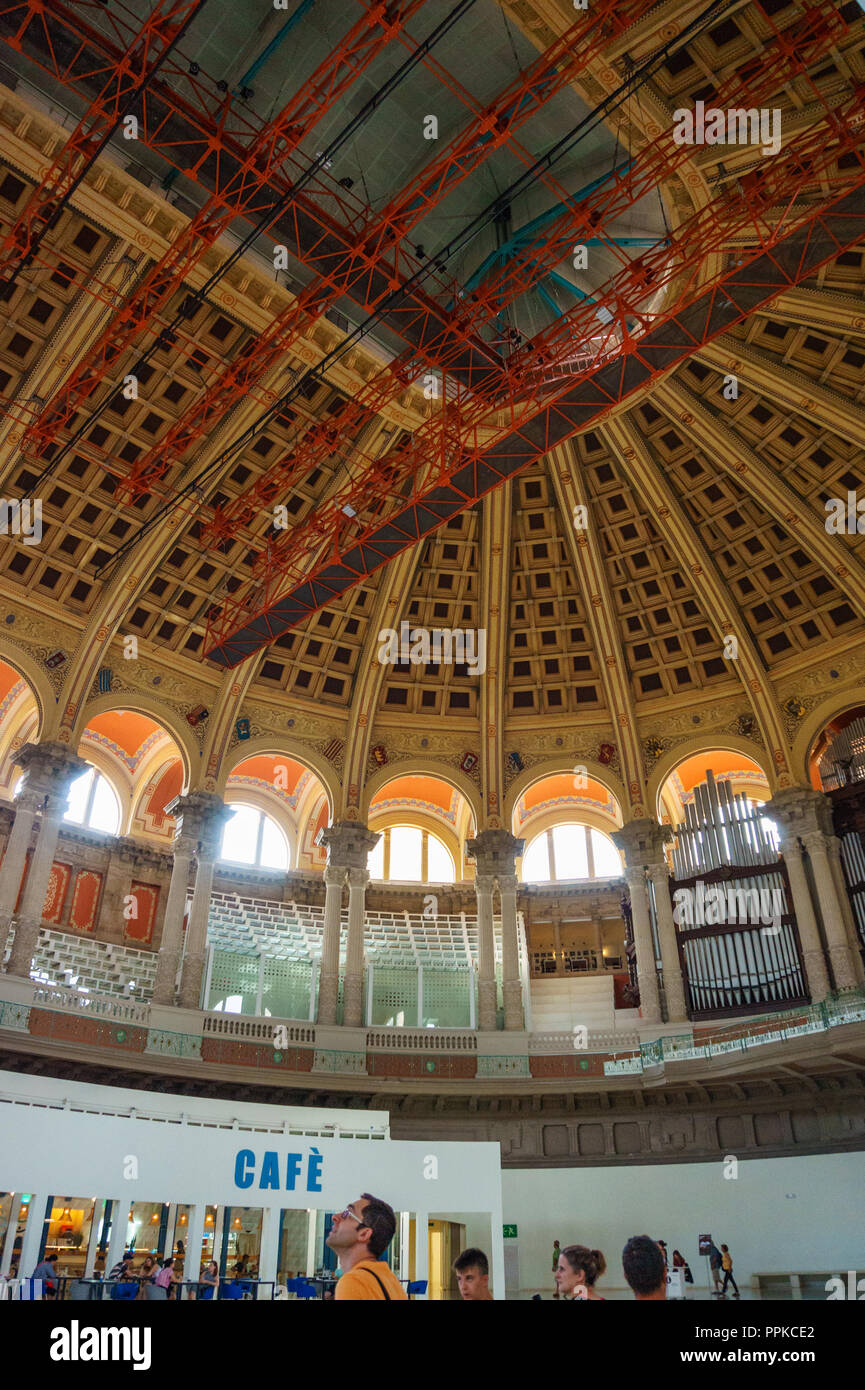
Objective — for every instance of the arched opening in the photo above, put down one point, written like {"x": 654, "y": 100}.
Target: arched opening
{"x": 424, "y": 823}
{"x": 742, "y": 774}
{"x": 141, "y": 763}
{"x": 837, "y": 756}
{"x": 284, "y": 805}
{"x": 253, "y": 838}
{"x": 19, "y": 724}
{"x": 93, "y": 803}
{"x": 570, "y": 850}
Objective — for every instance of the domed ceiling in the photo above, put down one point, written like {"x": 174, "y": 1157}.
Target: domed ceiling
{"x": 608, "y": 575}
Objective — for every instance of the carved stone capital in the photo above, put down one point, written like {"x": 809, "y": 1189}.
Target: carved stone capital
{"x": 642, "y": 842}
{"x": 348, "y": 844}
{"x": 49, "y": 770}
{"x": 494, "y": 852}
{"x": 799, "y": 811}
{"x": 200, "y": 819}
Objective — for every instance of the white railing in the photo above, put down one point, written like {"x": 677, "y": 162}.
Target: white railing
{"x": 421, "y": 1040}
{"x": 595, "y": 1042}
{"x": 99, "y": 1005}
{"x": 257, "y": 1029}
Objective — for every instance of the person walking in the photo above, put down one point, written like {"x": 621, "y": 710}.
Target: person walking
{"x": 715, "y": 1267}
{"x": 727, "y": 1266}
{"x": 359, "y": 1236}
{"x": 579, "y": 1269}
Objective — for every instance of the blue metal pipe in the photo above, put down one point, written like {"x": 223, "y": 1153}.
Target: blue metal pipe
{"x": 303, "y": 8}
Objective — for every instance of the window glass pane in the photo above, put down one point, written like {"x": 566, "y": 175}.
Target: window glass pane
{"x": 536, "y": 862}
{"x": 440, "y": 866}
{"x": 105, "y": 812}
{"x": 405, "y": 853}
{"x": 375, "y": 862}
{"x": 274, "y": 849}
{"x": 569, "y": 845}
{"x": 608, "y": 861}
{"x": 240, "y": 836}
{"x": 78, "y": 794}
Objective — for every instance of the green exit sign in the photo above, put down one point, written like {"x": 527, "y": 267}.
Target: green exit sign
{"x": 509, "y": 1232}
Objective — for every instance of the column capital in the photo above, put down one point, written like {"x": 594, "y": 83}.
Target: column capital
{"x": 642, "y": 842}
{"x": 348, "y": 844}
{"x": 799, "y": 811}
{"x": 49, "y": 768}
{"x": 507, "y": 883}
{"x": 659, "y": 874}
{"x": 334, "y": 875}
{"x": 485, "y": 883}
{"x": 200, "y": 818}
{"x": 494, "y": 852}
{"x": 358, "y": 878}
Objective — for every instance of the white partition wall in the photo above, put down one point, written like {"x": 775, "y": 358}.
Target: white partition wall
{"x": 61, "y": 1136}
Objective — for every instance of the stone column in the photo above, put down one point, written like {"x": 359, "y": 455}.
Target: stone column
{"x": 52, "y": 768}
{"x": 214, "y": 814}
{"x": 804, "y": 816}
{"x": 834, "y": 925}
{"x": 647, "y": 975}
{"x": 27, "y": 805}
{"x": 353, "y": 987}
{"x": 186, "y": 810}
{"x": 328, "y": 983}
{"x": 484, "y": 884}
{"x": 642, "y": 842}
{"x": 834, "y": 847}
{"x": 813, "y": 958}
{"x": 512, "y": 988}
{"x": 348, "y": 845}
{"x": 673, "y": 984}
{"x": 494, "y": 853}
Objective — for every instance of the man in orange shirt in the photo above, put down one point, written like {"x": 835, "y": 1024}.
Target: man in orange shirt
{"x": 359, "y": 1236}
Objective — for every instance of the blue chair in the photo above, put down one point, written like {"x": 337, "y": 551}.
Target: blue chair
{"x": 304, "y": 1289}
{"x": 205, "y": 1292}
{"x": 230, "y": 1291}
{"x": 124, "y": 1291}
{"x": 416, "y": 1286}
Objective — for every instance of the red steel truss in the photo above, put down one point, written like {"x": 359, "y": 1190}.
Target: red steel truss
{"x": 788, "y": 54}
{"x": 339, "y": 273}
{"x": 122, "y": 82}
{"x": 465, "y": 451}
{"x": 245, "y": 191}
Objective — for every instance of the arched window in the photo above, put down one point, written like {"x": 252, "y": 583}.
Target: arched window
{"x": 409, "y": 854}
{"x": 571, "y": 852}
{"x": 252, "y": 837}
{"x": 93, "y": 802}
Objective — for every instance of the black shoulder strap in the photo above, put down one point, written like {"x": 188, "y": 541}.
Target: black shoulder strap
{"x": 380, "y": 1284}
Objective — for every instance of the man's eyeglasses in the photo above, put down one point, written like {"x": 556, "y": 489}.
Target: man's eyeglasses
{"x": 347, "y": 1211}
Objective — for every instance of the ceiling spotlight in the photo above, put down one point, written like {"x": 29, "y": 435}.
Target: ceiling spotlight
{"x": 194, "y": 69}
{"x": 247, "y": 93}
{"x": 222, "y": 86}
{"x": 346, "y": 183}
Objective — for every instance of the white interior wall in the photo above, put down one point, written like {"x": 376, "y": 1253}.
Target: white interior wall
{"x": 821, "y": 1227}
